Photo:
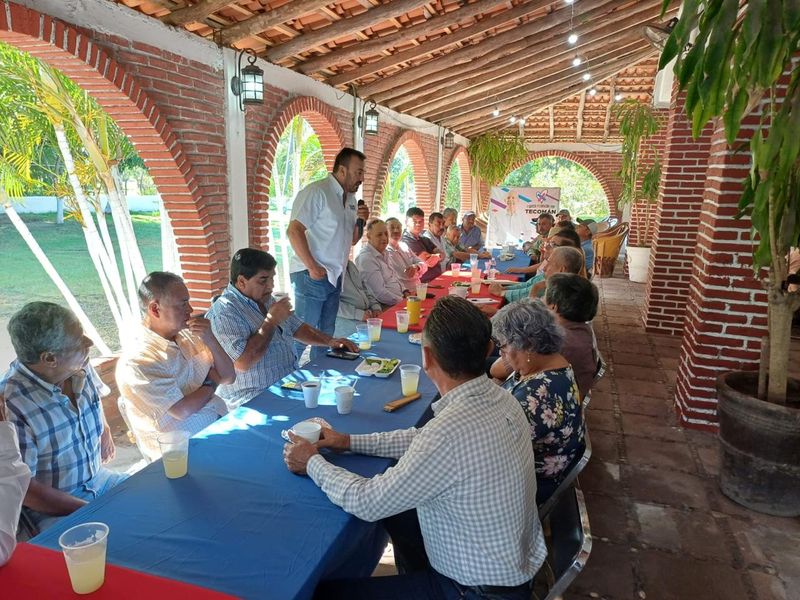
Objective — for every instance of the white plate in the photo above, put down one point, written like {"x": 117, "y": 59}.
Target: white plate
{"x": 415, "y": 338}
{"x": 367, "y": 370}
{"x": 319, "y": 420}
{"x": 505, "y": 257}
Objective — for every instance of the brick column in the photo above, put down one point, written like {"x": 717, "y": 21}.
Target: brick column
{"x": 726, "y": 309}
{"x": 680, "y": 199}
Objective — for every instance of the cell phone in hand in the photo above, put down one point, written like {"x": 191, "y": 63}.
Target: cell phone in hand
{"x": 343, "y": 354}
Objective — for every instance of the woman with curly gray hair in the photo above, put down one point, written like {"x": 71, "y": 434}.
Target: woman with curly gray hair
{"x": 529, "y": 340}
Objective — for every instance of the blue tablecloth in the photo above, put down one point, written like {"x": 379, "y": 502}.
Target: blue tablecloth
{"x": 520, "y": 260}
{"x": 240, "y": 522}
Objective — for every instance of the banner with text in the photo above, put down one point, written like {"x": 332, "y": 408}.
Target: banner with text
{"x": 511, "y": 210}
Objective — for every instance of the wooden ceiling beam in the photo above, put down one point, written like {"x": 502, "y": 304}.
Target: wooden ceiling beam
{"x": 405, "y": 34}
{"x": 195, "y": 13}
{"x": 262, "y": 21}
{"x": 559, "y": 74}
{"x": 478, "y": 56}
{"x": 342, "y": 28}
{"x": 495, "y": 77}
{"x": 579, "y": 121}
{"x": 481, "y": 121}
{"x": 611, "y": 99}
{"x": 488, "y": 79}
{"x": 552, "y": 123}
{"x": 439, "y": 43}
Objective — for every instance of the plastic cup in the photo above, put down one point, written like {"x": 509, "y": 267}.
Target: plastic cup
{"x": 455, "y": 269}
{"x": 473, "y": 260}
{"x": 307, "y": 430}
{"x": 402, "y": 321}
{"x": 422, "y": 290}
{"x": 409, "y": 379}
{"x": 458, "y": 290}
{"x": 476, "y": 285}
{"x": 363, "y": 335}
{"x": 311, "y": 391}
{"x": 174, "y": 453}
{"x": 414, "y": 308}
{"x": 375, "y": 329}
{"x": 84, "y": 548}
{"x": 344, "y": 399}
{"x": 278, "y": 296}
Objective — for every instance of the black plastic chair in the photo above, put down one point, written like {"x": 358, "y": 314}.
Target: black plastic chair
{"x": 569, "y": 543}
{"x": 569, "y": 480}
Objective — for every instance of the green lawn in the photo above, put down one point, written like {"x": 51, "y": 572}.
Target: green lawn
{"x": 22, "y": 279}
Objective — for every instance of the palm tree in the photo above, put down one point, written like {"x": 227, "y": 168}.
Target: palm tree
{"x": 91, "y": 146}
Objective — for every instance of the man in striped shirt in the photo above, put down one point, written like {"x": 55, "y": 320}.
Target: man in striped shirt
{"x": 468, "y": 474}
{"x": 257, "y": 330}
{"x": 52, "y": 398}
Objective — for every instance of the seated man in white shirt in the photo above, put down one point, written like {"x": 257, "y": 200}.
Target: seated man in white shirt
{"x": 14, "y": 479}
{"x": 52, "y": 397}
{"x": 408, "y": 266}
{"x": 373, "y": 262}
{"x": 258, "y": 330}
{"x": 468, "y": 472}
{"x": 169, "y": 371}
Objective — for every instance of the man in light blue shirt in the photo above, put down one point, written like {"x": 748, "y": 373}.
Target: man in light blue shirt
{"x": 585, "y": 234}
{"x": 259, "y": 331}
{"x": 470, "y": 233}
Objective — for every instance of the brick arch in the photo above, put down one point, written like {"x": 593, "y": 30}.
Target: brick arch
{"x": 324, "y": 123}
{"x": 589, "y": 165}
{"x": 422, "y": 180}
{"x": 75, "y": 54}
{"x": 461, "y": 158}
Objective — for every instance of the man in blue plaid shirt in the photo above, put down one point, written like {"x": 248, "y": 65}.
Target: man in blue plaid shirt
{"x": 468, "y": 475}
{"x": 52, "y": 397}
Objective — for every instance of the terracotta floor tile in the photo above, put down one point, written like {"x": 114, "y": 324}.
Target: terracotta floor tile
{"x": 668, "y": 577}
{"x": 651, "y": 427}
{"x": 659, "y": 454}
{"x": 689, "y": 533}
{"x": 634, "y": 387}
{"x": 664, "y": 486}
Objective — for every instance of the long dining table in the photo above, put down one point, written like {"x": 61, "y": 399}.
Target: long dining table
{"x": 240, "y": 523}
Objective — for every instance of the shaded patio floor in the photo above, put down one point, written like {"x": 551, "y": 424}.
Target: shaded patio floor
{"x": 662, "y": 530}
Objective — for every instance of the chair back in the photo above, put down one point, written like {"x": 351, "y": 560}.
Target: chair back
{"x": 122, "y": 405}
{"x": 570, "y": 541}
{"x": 606, "y": 249}
{"x": 564, "y": 487}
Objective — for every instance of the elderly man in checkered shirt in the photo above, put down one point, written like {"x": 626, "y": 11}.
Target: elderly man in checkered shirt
{"x": 52, "y": 398}
{"x": 468, "y": 474}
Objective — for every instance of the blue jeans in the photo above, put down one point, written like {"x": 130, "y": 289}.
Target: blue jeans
{"x": 104, "y": 480}
{"x": 316, "y": 302}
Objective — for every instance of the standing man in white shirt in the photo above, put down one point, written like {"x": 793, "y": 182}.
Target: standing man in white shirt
{"x": 322, "y": 230}
{"x": 14, "y": 479}
{"x": 468, "y": 472}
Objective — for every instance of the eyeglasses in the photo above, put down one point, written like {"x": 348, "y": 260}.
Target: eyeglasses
{"x": 497, "y": 344}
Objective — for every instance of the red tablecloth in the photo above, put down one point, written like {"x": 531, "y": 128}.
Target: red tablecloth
{"x": 36, "y": 572}
{"x": 441, "y": 288}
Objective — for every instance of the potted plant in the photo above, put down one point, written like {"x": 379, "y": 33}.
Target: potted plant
{"x": 740, "y": 61}
{"x": 492, "y": 157}
{"x": 640, "y": 174}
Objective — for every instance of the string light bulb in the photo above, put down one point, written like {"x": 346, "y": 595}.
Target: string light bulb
{"x": 586, "y": 76}
{"x": 512, "y": 120}
{"x": 576, "y": 62}
{"x": 592, "y": 92}
{"x": 618, "y": 97}
{"x": 573, "y": 38}
{"x": 496, "y": 112}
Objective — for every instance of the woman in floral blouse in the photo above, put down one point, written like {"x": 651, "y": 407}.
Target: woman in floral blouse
{"x": 529, "y": 340}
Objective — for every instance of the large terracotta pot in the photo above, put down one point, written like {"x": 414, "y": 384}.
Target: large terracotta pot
{"x": 760, "y": 446}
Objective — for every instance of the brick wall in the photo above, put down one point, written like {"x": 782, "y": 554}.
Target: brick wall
{"x": 457, "y": 154}
{"x": 680, "y": 199}
{"x": 726, "y": 312}
{"x": 170, "y": 107}
{"x": 381, "y": 148}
